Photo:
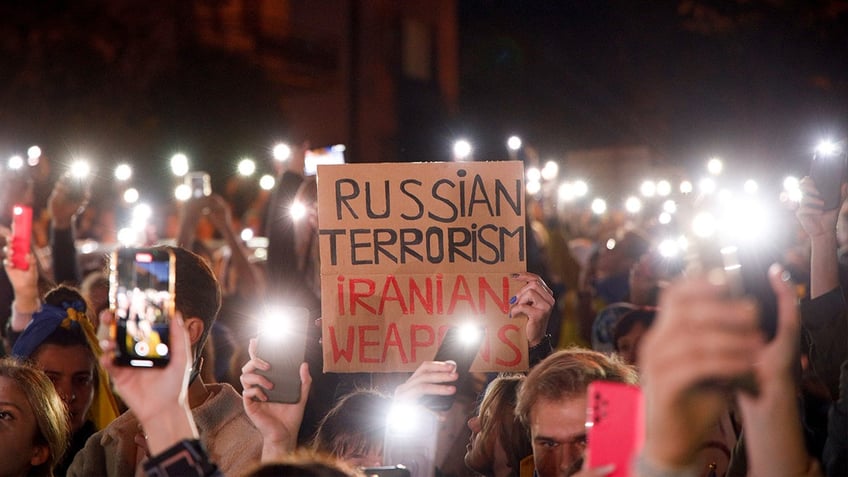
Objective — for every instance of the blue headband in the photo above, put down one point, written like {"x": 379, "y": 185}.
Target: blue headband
{"x": 69, "y": 315}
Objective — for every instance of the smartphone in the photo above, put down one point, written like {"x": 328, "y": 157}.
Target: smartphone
{"x": 387, "y": 471}
{"x": 141, "y": 295}
{"x": 827, "y": 169}
{"x": 322, "y": 156}
{"x": 200, "y": 184}
{"x": 21, "y": 236}
{"x": 460, "y": 344}
{"x": 615, "y": 425}
{"x": 282, "y": 343}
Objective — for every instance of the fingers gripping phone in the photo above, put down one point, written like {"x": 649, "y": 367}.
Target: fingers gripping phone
{"x": 615, "y": 425}
{"x": 141, "y": 295}
{"x": 827, "y": 170}
{"x": 460, "y": 345}
{"x": 21, "y": 236}
{"x": 282, "y": 344}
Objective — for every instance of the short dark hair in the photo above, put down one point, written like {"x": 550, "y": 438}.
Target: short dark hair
{"x": 628, "y": 320}
{"x": 197, "y": 293}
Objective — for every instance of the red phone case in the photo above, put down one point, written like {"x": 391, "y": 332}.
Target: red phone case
{"x": 21, "y": 235}
{"x": 615, "y": 425}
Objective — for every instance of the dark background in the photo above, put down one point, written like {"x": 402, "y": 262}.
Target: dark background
{"x": 757, "y": 82}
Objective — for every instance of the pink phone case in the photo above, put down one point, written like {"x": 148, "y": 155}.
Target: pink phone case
{"x": 615, "y": 425}
{"x": 21, "y": 235}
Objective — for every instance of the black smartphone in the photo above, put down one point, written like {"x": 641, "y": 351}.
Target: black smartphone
{"x": 827, "y": 169}
{"x": 386, "y": 471}
{"x": 460, "y": 344}
{"x": 282, "y": 344}
{"x": 141, "y": 295}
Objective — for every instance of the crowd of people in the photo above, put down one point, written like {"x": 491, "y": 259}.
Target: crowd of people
{"x": 750, "y": 384}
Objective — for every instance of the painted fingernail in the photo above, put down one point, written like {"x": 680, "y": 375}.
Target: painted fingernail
{"x": 513, "y": 300}
{"x": 514, "y": 275}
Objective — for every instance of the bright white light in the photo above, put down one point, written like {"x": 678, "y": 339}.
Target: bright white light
{"x": 246, "y": 167}
{"x": 550, "y": 171}
{"x": 247, "y": 234}
{"x": 791, "y": 183}
{"x": 469, "y": 333}
{"x": 267, "y": 182}
{"x": 405, "y": 418}
{"x": 297, "y": 211}
{"x": 182, "y": 192}
{"x": 581, "y": 188}
{"x": 80, "y": 169}
{"x": 664, "y": 218}
{"x": 795, "y": 195}
{"x": 633, "y": 205}
{"x": 725, "y": 195}
{"x": 513, "y": 143}
{"x": 123, "y": 172}
{"x": 131, "y": 195}
{"x": 683, "y": 243}
{"x": 610, "y": 244}
{"x": 663, "y": 188}
{"x": 827, "y": 148}
{"x": 599, "y": 206}
{"x": 179, "y": 164}
{"x": 34, "y": 152}
{"x": 281, "y": 152}
{"x": 461, "y": 150}
{"x": 751, "y": 186}
{"x": 686, "y": 187}
{"x": 715, "y": 166}
{"x": 16, "y": 162}
{"x": 533, "y": 187}
{"x": 566, "y": 192}
{"x": 746, "y": 220}
{"x": 669, "y": 248}
{"x": 127, "y": 236}
{"x": 704, "y": 225}
{"x": 142, "y": 212}
{"x": 670, "y": 206}
{"x": 648, "y": 188}
{"x": 533, "y": 174}
{"x": 707, "y": 185}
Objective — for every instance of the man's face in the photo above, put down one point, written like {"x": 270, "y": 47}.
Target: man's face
{"x": 558, "y": 435}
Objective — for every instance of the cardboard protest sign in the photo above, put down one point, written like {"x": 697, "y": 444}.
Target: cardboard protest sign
{"x": 408, "y": 250}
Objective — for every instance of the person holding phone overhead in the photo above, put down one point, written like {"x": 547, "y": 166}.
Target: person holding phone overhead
{"x": 233, "y": 442}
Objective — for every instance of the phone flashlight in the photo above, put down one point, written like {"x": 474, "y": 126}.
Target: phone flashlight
{"x": 282, "y": 344}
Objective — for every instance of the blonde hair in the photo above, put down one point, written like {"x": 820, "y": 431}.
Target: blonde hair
{"x": 47, "y": 407}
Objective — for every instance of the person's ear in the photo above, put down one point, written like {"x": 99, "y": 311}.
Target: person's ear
{"x": 195, "y": 328}
{"x": 40, "y": 454}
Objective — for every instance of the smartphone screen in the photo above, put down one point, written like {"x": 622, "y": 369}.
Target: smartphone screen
{"x": 21, "y": 236}
{"x": 460, "y": 344}
{"x": 282, "y": 344}
{"x": 615, "y": 425}
{"x": 200, "y": 184}
{"x": 142, "y": 297}
{"x": 322, "y": 156}
{"x": 827, "y": 170}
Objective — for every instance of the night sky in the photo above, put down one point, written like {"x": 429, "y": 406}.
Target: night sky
{"x": 751, "y": 81}
{"x": 757, "y": 82}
